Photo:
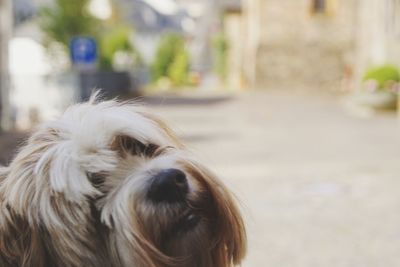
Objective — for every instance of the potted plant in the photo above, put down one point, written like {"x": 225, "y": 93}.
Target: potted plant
{"x": 380, "y": 86}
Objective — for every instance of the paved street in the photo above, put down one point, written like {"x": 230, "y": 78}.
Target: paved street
{"x": 319, "y": 187}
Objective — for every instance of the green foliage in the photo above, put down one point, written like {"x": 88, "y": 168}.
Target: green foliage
{"x": 382, "y": 75}
{"x": 220, "y": 55}
{"x": 66, "y": 19}
{"x": 179, "y": 69}
{"x": 172, "y": 60}
{"x": 112, "y": 41}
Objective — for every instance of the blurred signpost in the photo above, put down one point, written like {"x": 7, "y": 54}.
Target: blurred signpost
{"x": 5, "y": 35}
{"x": 84, "y": 53}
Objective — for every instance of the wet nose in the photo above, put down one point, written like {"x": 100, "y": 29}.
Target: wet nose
{"x": 169, "y": 185}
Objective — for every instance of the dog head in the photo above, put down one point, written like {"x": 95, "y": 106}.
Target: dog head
{"x": 159, "y": 206}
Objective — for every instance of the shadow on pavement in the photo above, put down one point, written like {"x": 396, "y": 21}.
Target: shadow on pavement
{"x": 160, "y": 100}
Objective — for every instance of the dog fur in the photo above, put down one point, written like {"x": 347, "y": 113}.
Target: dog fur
{"x": 76, "y": 195}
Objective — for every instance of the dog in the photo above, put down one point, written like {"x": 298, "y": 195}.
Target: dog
{"x": 109, "y": 184}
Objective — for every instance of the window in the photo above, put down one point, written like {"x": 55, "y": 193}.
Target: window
{"x": 324, "y": 7}
{"x": 319, "y": 6}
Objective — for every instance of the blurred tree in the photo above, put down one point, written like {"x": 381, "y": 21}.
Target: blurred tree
{"x": 111, "y": 42}
{"x": 179, "y": 68}
{"x": 220, "y": 55}
{"x": 66, "y": 19}
{"x": 171, "y": 60}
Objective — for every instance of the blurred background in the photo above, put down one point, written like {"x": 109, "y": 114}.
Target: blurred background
{"x": 293, "y": 103}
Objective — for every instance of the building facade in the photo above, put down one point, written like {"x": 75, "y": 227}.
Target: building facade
{"x": 317, "y": 44}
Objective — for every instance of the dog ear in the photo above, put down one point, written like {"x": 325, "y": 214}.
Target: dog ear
{"x": 230, "y": 240}
{"x": 43, "y": 168}
{"x": 232, "y": 245}
{"x": 61, "y": 165}
{"x": 48, "y": 190}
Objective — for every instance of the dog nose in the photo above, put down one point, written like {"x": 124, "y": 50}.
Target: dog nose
{"x": 169, "y": 185}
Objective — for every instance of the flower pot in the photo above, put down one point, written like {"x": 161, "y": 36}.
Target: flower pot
{"x": 379, "y": 100}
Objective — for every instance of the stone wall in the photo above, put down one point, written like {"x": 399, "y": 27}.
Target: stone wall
{"x": 303, "y": 49}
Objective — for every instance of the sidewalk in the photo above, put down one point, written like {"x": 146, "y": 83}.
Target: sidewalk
{"x": 319, "y": 187}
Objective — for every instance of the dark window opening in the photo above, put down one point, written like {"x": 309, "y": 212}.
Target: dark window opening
{"x": 319, "y": 6}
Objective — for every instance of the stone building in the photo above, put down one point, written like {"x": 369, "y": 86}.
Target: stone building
{"x": 316, "y": 44}
{"x": 378, "y": 38}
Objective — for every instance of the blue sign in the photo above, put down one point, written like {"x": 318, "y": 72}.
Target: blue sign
{"x": 83, "y": 51}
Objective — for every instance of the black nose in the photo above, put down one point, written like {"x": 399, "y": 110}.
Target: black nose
{"x": 169, "y": 185}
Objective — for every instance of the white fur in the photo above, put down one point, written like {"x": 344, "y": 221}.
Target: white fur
{"x": 76, "y": 144}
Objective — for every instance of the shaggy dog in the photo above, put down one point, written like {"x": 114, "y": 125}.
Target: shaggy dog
{"x": 108, "y": 184}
